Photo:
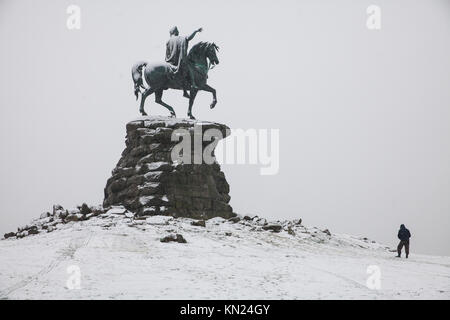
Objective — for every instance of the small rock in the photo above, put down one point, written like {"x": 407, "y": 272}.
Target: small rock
{"x": 174, "y": 238}
{"x": 228, "y": 234}
{"x": 326, "y": 231}
{"x": 290, "y": 231}
{"x": 247, "y": 218}
{"x": 199, "y": 223}
{"x": 116, "y": 210}
{"x": 260, "y": 221}
{"x": 88, "y": 216}
{"x": 84, "y": 209}
{"x": 234, "y": 219}
{"x": 33, "y": 231}
{"x": 71, "y": 217}
{"x": 62, "y": 214}
{"x": 22, "y": 234}
{"x": 297, "y": 221}
{"x": 98, "y": 210}
{"x": 57, "y": 207}
{"x": 44, "y": 215}
{"x": 9, "y": 235}
{"x": 272, "y": 227}
{"x": 129, "y": 214}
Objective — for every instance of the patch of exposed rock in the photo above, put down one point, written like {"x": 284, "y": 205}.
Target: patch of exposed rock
{"x": 174, "y": 238}
{"x": 49, "y": 221}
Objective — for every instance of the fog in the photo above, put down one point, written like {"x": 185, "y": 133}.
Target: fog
{"x": 363, "y": 115}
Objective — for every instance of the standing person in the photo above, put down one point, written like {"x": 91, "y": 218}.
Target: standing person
{"x": 403, "y": 235}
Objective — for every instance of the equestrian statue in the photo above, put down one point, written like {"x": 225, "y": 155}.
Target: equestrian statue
{"x": 182, "y": 70}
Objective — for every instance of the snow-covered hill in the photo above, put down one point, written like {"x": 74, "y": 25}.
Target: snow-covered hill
{"x": 118, "y": 256}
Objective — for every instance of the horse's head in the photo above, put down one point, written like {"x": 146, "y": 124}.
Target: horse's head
{"x": 211, "y": 53}
{"x": 205, "y": 50}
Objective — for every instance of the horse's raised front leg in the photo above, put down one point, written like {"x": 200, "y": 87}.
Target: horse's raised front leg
{"x": 213, "y": 91}
{"x": 144, "y": 96}
{"x": 191, "y": 102}
{"x": 158, "y": 96}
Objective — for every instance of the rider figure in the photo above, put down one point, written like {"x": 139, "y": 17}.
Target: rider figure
{"x": 176, "y": 53}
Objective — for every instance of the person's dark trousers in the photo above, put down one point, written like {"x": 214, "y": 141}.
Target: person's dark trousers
{"x": 400, "y": 247}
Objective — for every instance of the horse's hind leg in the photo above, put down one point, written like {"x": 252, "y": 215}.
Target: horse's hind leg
{"x": 158, "y": 96}
{"x": 144, "y": 96}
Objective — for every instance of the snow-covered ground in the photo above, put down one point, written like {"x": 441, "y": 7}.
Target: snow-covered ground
{"x": 122, "y": 258}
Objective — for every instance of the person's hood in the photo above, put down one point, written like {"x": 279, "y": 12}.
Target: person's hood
{"x": 402, "y": 227}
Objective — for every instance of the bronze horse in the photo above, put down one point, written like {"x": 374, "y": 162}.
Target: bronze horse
{"x": 159, "y": 77}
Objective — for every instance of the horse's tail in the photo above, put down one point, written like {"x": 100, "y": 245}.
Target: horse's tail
{"x": 136, "y": 73}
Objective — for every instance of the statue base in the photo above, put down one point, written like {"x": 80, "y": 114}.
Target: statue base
{"x": 147, "y": 181}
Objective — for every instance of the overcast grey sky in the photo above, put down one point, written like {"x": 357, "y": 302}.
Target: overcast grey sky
{"x": 364, "y": 116}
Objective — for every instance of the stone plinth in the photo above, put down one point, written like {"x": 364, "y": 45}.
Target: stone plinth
{"x": 149, "y": 180}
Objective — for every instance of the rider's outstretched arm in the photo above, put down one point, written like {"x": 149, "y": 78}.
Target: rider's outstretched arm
{"x": 194, "y": 33}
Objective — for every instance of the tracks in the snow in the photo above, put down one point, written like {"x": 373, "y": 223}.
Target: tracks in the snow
{"x": 76, "y": 242}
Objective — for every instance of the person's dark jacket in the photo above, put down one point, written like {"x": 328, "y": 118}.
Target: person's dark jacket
{"x": 403, "y": 233}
